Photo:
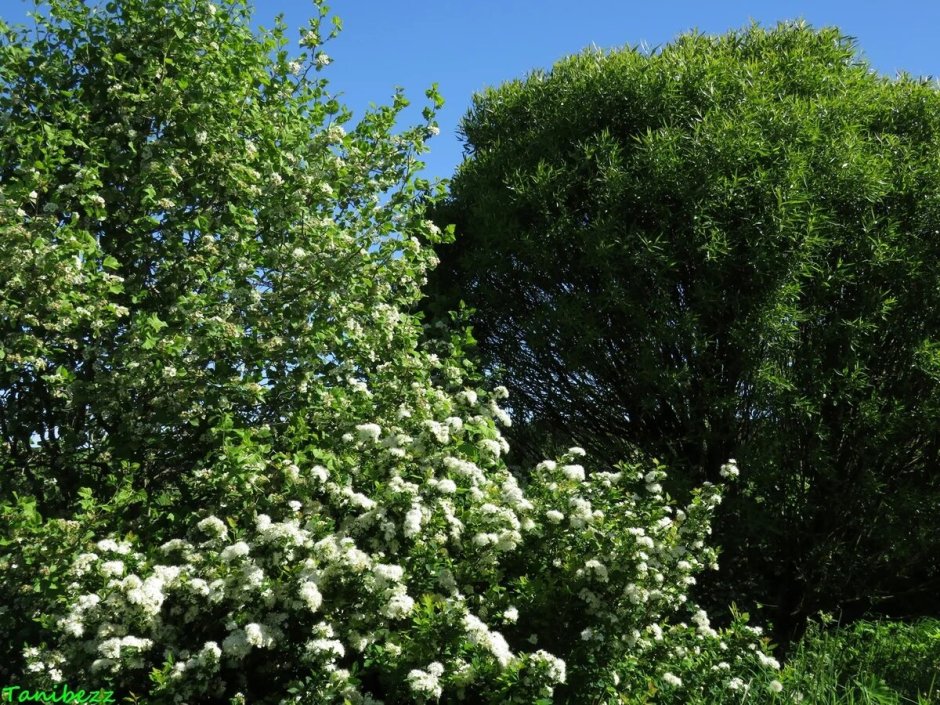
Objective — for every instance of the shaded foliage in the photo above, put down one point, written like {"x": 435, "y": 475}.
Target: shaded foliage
{"x": 729, "y": 247}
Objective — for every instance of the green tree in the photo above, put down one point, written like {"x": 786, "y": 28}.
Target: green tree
{"x": 230, "y": 470}
{"x": 727, "y": 247}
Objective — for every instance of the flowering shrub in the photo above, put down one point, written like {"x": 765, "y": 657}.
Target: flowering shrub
{"x": 249, "y": 481}
{"x": 368, "y": 584}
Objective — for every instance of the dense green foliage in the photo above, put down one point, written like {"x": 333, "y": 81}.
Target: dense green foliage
{"x": 230, "y": 471}
{"x": 886, "y": 663}
{"x": 728, "y": 247}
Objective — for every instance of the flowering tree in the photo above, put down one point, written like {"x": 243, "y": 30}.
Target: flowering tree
{"x": 231, "y": 472}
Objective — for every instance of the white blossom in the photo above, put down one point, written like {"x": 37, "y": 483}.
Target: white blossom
{"x": 115, "y": 568}
{"x": 235, "y": 551}
{"x": 310, "y": 595}
{"x": 581, "y": 513}
{"x": 446, "y": 486}
{"x": 479, "y": 634}
{"x": 331, "y": 647}
{"x": 730, "y": 469}
{"x": 112, "y": 546}
{"x": 468, "y": 396}
{"x": 387, "y": 574}
{"x": 319, "y": 473}
{"x": 427, "y": 683}
{"x": 575, "y": 473}
{"x": 413, "y": 519}
{"x": 672, "y": 680}
{"x": 369, "y": 432}
{"x": 598, "y": 569}
{"x": 490, "y": 446}
{"x": 258, "y": 635}
{"x": 768, "y": 661}
{"x": 399, "y": 605}
{"x": 214, "y": 526}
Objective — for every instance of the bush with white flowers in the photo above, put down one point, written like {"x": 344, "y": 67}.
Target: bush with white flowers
{"x": 362, "y": 580}
{"x": 255, "y": 483}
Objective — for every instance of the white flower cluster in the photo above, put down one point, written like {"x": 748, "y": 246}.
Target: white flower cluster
{"x": 427, "y": 683}
{"x": 494, "y": 642}
{"x": 730, "y": 469}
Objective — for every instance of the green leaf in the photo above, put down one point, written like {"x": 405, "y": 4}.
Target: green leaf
{"x": 154, "y": 322}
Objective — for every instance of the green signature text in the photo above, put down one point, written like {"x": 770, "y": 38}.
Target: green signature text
{"x": 16, "y": 694}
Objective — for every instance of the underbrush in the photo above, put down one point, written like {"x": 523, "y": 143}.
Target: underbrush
{"x": 868, "y": 662}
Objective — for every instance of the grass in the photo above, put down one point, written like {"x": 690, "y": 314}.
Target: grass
{"x": 867, "y": 663}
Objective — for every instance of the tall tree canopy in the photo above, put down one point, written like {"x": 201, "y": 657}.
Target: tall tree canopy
{"x": 230, "y": 471}
{"x": 726, "y": 247}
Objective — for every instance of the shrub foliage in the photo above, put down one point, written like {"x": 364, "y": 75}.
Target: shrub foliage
{"x": 725, "y": 247}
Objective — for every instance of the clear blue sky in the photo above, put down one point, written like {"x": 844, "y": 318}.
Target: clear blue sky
{"x": 466, "y": 45}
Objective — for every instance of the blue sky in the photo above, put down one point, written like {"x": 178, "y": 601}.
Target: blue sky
{"x": 466, "y": 45}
